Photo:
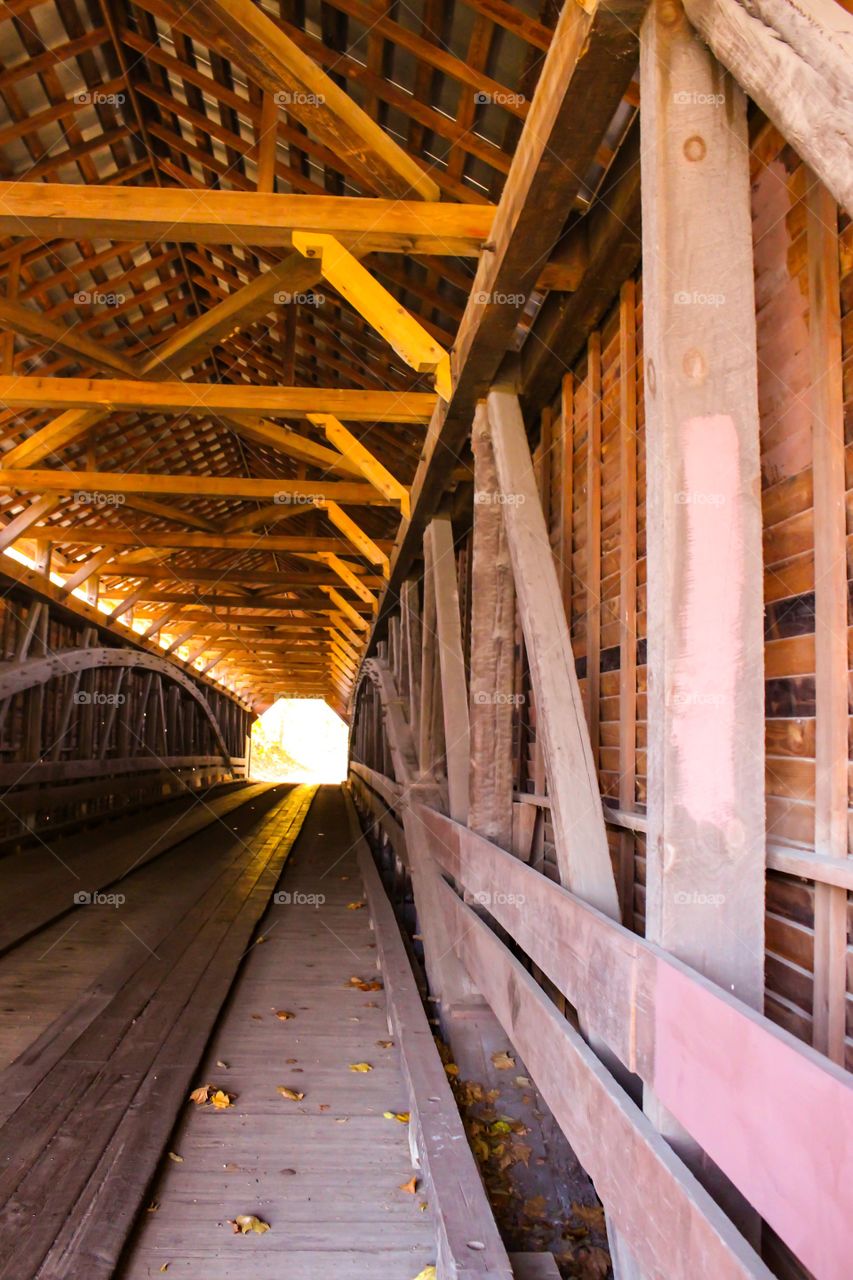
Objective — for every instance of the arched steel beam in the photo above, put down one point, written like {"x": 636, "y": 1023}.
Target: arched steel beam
{"x": 18, "y": 676}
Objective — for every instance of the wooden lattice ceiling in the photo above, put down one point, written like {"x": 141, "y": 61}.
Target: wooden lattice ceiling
{"x": 110, "y": 92}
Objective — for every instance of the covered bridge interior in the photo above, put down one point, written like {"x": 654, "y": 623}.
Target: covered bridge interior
{"x": 482, "y": 369}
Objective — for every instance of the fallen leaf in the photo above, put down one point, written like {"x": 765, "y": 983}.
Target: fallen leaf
{"x": 590, "y": 1214}
{"x": 177, "y": 1159}
{"x": 222, "y": 1064}
{"x": 402, "y": 1116}
{"x": 221, "y": 1100}
{"x": 522, "y": 1081}
{"x": 153, "y": 1206}
{"x": 362, "y": 985}
{"x": 522, "y": 1152}
{"x": 200, "y": 1095}
{"x": 451, "y": 1068}
{"x": 537, "y": 1207}
{"x": 259, "y": 940}
{"x": 231, "y": 1167}
{"x": 410, "y": 1187}
{"x": 284, "y": 1015}
{"x": 385, "y": 1044}
{"x": 360, "y": 1066}
{"x": 246, "y": 1222}
{"x": 258, "y": 1017}
{"x": 293, "y": 1094}
{"x": 502, "y": 1060}
{"x": 165, "y": 1267}
{"x": 324, "y": 1106}
{"x": 428, "y": 1273}
{"x": 595, "y": 1261}
{"x": 355, "y": 906}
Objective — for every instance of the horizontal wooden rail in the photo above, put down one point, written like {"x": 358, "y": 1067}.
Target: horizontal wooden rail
{"x": 468, "y": 1241}
{"x": 753, "y": 1096}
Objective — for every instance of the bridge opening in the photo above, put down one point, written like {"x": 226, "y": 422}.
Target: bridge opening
{"x": 299, "y": 740}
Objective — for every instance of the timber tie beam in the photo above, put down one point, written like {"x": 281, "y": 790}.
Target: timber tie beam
{"x": 425, "y": 545}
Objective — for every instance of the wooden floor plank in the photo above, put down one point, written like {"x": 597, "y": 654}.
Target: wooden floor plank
{"x": 325, "y": 1172}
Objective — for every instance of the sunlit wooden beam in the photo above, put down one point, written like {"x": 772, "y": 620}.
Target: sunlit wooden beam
{"x": 360, "y": 456}
{"x": 91, "y": 484}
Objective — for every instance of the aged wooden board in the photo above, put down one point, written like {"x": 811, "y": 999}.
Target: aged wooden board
{"x": 340, "y": 1212}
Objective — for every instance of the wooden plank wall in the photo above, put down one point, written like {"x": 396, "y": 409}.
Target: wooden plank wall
{"x": 593, "y": 487}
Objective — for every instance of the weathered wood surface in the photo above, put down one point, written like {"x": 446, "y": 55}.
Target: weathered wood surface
{"x": 325, "y": 1172}
{"x": 794, "y": 58}
{"x": 111, "y": 1099}
{"x": 736, "y": 1081}
{"x": 468, "y": 1239}
{"x": 673, "y": 1227}
{"x": 42, "y": 882}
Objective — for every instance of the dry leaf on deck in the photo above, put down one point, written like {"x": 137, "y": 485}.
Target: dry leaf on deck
{"x": 502, "y": 1060}
{"x": 223, "y": 1065}
{"x": 411, "y": 1187}
{"x": 246, "y": 1222}
{"x": 590, "y": 1214}
{"x": 153, "y": 1206}
{"x": 361, "y": 985}
{"x": 177, "y": 1159}
{"x": 221, "y": 1100}
{"x": 451, "y": 1069}
{"x": 385, "y": 1044}
{"x": 165, "y": 1267}
{"x": 293, "y": 1094}
{"x": 402, "y": 1116}
{"x": 428, "y": 1273}
{"x": 284, "y": 1015}
{"x": 360, "y": 1066}
{"x": 355, "y": 906}
{"x": 595, "y": 1262}
{"x": 199, "y": 1096}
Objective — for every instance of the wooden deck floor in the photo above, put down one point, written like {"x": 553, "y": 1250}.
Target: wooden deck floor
{"x": 326, "y": 1172}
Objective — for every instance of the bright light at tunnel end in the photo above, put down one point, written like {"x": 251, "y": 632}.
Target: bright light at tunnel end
{"x": 299, "y": 740}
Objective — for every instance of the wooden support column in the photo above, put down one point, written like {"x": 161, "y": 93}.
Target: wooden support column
{"x": 579, "y": 833}
{"x": 454, "y": 685}
{"x": 706, "y": 827}
{"x": 706, "y": 695}
{"x": 830, "y": 572}
{"x": 593, "y": 538}
{"x": 492, "y": 651}
{"x": 627, "y": 588}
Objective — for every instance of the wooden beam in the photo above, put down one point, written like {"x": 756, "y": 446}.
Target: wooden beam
{"x": 247, "y": 36}
{"x": 37, "y": 510}
{"x": 793, "y": 58}
{"x": 175, "y": 540}
{"x": 36, "y": 327}
{"x": 194, "y": 216}
{"x": 380, "y": 309}
{"x": 583, "y": 855}
{"x": 826, "y": 395}
{"x": 706, "y": 827}
{"x": 492, "y": 696}
{"x": 591, "y": 59}
{"x": 354, "y": 533}
{"x": 208, "y": 398}
{"x": 362, "y": 459}
{"x": 451, "y": 661}
{"x": 287, "y": 492}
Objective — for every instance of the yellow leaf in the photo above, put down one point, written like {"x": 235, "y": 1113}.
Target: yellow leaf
{"x": 199, "y": 1096}
{"x": 360, "y": 1066}
{"x": 177, "y": 1159}
{"x": 410, "y": 1187}
{"x": 502, "y": 1060}
{"x": 428, "y": 1273}
{"x": 246, "y": 1222}
{"x": 284, "y": 1015}
{"x": 355, "y": 906}
{"x": 293, "y": 1094}
{"x": 451, "y": 1068}
{"x": 165, "y": 1267}
{"x": 221, "y": 1099}
{"x": 402, "y": 1116}
{"x": 385, "y": 1044}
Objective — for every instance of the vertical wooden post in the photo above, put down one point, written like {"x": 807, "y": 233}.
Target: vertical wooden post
{"x": 706, "y": 840}
{"x": 567, "y": 485}
{"x": 492, "y": 651}
{"x": 593, "y": 538}
{"x": 579, "y": 833}
{"x": 454, "y": 685}
{"x": 706, "y": 827}
{"x": 627, "y": 587}
{"x": 830, "y": 572}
